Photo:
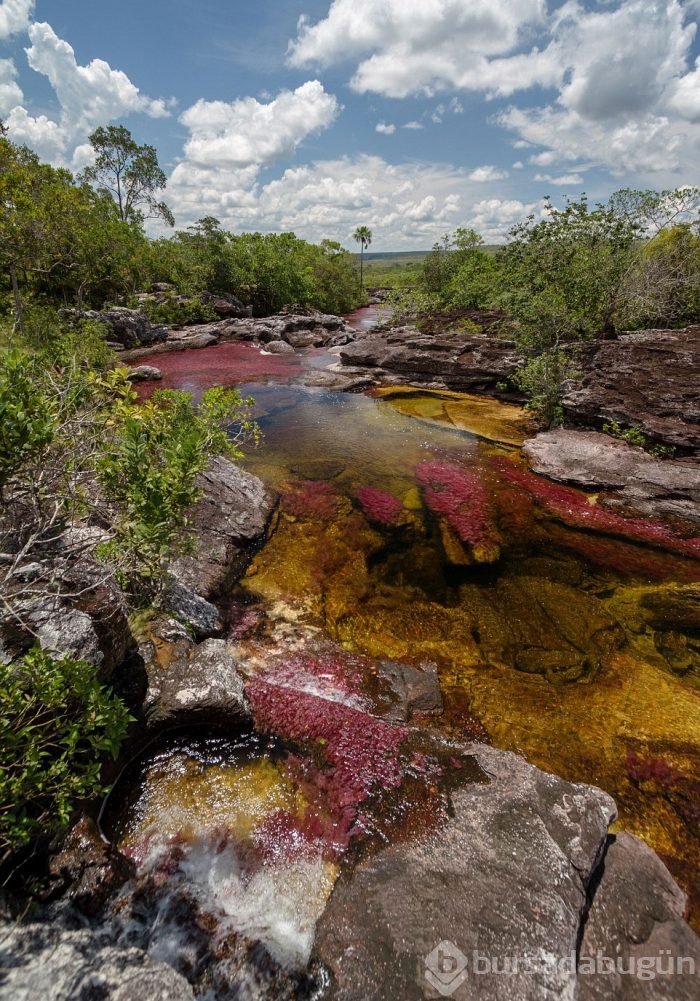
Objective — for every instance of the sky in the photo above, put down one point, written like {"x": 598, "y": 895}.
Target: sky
{"x": 412, "y": 117}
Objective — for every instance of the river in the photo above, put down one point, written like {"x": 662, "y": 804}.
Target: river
{"x": 409, "y": 531}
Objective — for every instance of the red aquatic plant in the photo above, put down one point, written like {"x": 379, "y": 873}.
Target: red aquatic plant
{"x": 311, "y": 499}
{"x": 458, "y": 496}
{"x": 650, "y": 769}
{"x": 379, "y": 505}
{"x": 572, "y": 507}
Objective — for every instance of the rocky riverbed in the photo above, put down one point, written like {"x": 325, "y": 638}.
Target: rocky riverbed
{"x": 313, "y": 808}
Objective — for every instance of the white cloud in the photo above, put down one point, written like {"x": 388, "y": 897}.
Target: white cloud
{"x": 14, "y": 16}
{"x": 230, "y": 143}
{"x": 685, "y": 95}
{"x": 563, "y": 180}
{"x": 248, "y": 132}
{"x": 518, "y": 165}
{"x": 415, "y": 46}
{"x": 406, "y": 205}
{"x": 487, "y": 173}
{"x": 412, "y": 125}
{"x": 10, "y": 93}
{"x": 87, "y": 95}
{"x": 384, "y": 129}
{"x": 493, "y": 217}
{"x": 622, "y": 88}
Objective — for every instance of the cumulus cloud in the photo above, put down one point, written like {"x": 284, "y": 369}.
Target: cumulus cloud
{"x": 487, "y": 173}
{"x": 14, "y": 16}
{"x": 618, "y": 70}
{"x": 413, "y": 46}
{"x": 685, "y": 95}
{"x": 230, "y": 143}
{"x": 406, "y": 205}
{"x": 10, "y": 93}
{"x": 251, "y": 132}
{"x": 385, "y": 129}
{"x": 564, "y": 180}
{"x": 87, "y": 95}
{"x": 412, "y": 125}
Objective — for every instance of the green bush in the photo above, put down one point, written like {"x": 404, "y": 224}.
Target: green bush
{"x": 58, "y": 722}
{"x": 149, "y": 470}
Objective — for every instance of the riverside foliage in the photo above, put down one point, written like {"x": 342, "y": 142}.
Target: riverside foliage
{"x": 571, "y": 275}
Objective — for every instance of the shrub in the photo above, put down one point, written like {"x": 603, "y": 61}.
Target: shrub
{"x": 57, "y": 723}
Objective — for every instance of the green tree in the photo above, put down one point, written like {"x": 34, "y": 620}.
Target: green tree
{"x": 130, "y": 172}
{"x": 363, "y": 236}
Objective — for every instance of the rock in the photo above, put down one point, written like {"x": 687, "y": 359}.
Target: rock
{"x": 87, "y": 618}
{"x": 598, "y": 462}
{"x": 91, "y": 869}
{"x": 505, "y": 876}
{"x": 408, "y": 690}
{"x": 129, "y": 327}
{"x": 461, "y": 360}
{"x": 637, "y": 916}
{"x": 42, "y": 960}
{"x": 231, "y": 514}
{"x": 279, "y": 348}
{"x": 205, "y": 683}
{"x": 193, "y": 337}
{"x": 144, "y": 373}
{"x": 203, "y": 617}
{"x": 648, "y": 380}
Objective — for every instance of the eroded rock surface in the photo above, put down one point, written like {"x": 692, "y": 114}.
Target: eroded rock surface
{"x": 470, "y": 362}
{"x": 649, "y": 379}
{"x": 505, "y": 876}
{"x": 232, "y": 513}
{"x": 637, "y": 917}
{"x": 599, "y": 462}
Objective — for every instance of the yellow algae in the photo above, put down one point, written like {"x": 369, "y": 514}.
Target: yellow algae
{"x": 487, "y": 418}
{"x": 187, "y": 799}
{"x": 412, "y": 500}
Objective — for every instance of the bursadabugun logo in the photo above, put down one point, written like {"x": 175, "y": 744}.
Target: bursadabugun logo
{"x": 446, "y": 968}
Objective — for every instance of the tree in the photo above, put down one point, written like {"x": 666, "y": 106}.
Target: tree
{"x": 363, "y": 236}
{"x": 130, "y": 172}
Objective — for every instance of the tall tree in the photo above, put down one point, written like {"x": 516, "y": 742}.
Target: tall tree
{"x": 363, "y": 236}
{"x": 130, "y": 172}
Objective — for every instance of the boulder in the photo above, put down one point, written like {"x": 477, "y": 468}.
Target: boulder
{"x": 597, "y": 461}
{"x": 279, "y": 348}
{"x": 637, "y": 920}
{"x": 649, "y": 379}
{"x": 205, "y": 683}
{"x": 231, "y": 514}
{"x": 504, "y": 877}
{"x": 46, "y": 959}
{"x": 128, "y": 327}
{"x": 91, "y": 869}
{"x": 144, "y": 373}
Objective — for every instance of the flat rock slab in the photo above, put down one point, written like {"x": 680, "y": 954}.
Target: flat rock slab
{"x": 597, "y": 461}
{"x": 505, "y": 877}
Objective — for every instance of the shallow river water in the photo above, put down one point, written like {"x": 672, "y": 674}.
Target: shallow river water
{"x": 410, "y": 531}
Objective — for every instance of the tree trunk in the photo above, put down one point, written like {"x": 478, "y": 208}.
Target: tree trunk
{"x": 19, "y": 312}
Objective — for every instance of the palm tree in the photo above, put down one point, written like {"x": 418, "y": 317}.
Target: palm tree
{"x": 363, "y": 236}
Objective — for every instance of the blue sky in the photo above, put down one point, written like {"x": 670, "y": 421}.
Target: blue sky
{"x": 410, "y": 116}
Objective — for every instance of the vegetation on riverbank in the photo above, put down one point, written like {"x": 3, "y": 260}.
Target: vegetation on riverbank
{"x": 571, "y": 275}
